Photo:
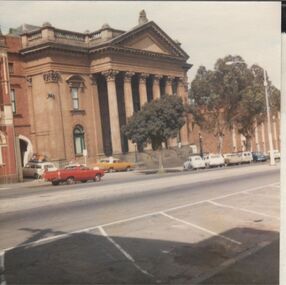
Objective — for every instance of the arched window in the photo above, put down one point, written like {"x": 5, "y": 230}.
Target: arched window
{"x": 76, "y": 83}
{"x": 78, "y": 138}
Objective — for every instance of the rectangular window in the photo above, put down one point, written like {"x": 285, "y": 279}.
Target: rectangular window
{"x": 13, "y": 100}
{"x": 11, "y": 67}
{"x": 78, "y": 145}
{"x": 75, "y": 101}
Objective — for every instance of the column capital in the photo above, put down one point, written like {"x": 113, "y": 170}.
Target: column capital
{"x": 110, "y": 74}
{"x": 142, "y": 77}
{"x": 93, "y": 79}
{"x": 128, "y": 75}
{"x": 51, "y": 76}
{"x": 157, "y": 78}
{"x": 169, "y": 79}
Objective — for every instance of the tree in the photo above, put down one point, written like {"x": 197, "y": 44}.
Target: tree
{"x": 252, "y": 106}
{"x": 231, "y": 94}
{"x": 215, "y": 94}
{"x": 156, "y": 122}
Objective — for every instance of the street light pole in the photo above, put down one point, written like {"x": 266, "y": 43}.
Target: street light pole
{"x": 272, "y": 160}
{"x": 271, "y": 153}
{"x": 201, "y": 145}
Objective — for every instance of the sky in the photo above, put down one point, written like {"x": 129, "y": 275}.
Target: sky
{"x": 207, "y": 30}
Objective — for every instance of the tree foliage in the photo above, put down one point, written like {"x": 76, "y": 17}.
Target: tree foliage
{"x": 156, "y": 122}
{"x": 231, "y": 94}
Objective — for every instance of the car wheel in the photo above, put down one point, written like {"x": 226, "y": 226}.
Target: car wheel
{"x": 70, "y": 180}
{"x": 55, "y": 183}
{"x": 128, "y": 168}
{"x": 83, "y": 181}
{"x": 97, "y": 178}
{"x": 37, "y": 176}
{"x": 110, "y": 170}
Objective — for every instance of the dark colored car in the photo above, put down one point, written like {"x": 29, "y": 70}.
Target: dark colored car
{"x": 258, "y": 156}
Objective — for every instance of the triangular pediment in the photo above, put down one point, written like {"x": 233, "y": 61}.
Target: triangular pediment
{"x": 148, "y": 43}
{"x": 149, "y": 37}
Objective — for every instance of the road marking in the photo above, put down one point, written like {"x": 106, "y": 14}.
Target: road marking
{"x": 242, "y": 209}
{"x": 135, "y": 218}
{"x": 200, "y": 228}
{"x": 123, "y": 251}
{"x": 261, "y": 195}
{"x": 223, "y": 266}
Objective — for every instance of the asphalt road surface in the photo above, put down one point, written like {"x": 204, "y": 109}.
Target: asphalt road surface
{"x": 210, "y": 227}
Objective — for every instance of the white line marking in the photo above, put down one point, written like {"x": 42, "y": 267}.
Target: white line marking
{"x": 136, "y": 217}
{"x": 262, "y": 195}
{"x": 242, "y": 209}
{"x": 125, "y": 253}
{"x": 200, "y": 228}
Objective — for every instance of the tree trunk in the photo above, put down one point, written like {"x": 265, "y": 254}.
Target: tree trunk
{"x": 160, "y": 160}
{"x": 220, "y": 144}
{"x": 247, "y": 143}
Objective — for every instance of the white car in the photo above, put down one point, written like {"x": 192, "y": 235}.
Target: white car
{"x": 194, "y": 162}
{"x": 246, "y": 157}
{"x": 276, "y": 154}
{"x": 36, "y": 170}
{"x": 212, "y": 160}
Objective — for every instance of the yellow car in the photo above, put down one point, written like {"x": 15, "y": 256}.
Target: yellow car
{"x": 112, "y": 164}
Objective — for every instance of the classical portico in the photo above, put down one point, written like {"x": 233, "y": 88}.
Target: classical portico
{"x": 117, "y": 73}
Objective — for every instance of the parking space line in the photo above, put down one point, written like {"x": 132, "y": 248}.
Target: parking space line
{"x": 124, "y": 252}
{"x": 261, "y": 195}
{"x": 138, "y": 217}
{"x": 241, "y": 209}
{"x": 200, "y": 228}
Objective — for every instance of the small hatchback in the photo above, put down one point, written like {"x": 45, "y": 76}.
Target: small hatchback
{"x": 194, "y": 162}
{"x": 246, "y": 157}
{"x": 36, "y": 170}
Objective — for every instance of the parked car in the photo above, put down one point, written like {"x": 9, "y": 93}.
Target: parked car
{"x": 246, "y": 156}
{"x": 72, "y": 174}
{"x": 258, "y": 156}
{"x": 194, "y": 162}
{"x": 112, "y": 164}
{"x": 36, "y": 170}
{"x": 232, "y": 158}
{"x": 276, "y": 154}
{"x": 212, "y": 160}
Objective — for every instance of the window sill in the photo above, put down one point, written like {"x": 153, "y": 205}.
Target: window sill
{"x": 77, "y": 112}
{"x": 78, "y": 155}
{"x": 17, "y": 115}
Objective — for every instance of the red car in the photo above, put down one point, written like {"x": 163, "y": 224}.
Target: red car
{"x": 72, "y": 174}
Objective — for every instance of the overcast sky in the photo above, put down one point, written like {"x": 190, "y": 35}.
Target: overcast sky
{"x": 207, "y": 30}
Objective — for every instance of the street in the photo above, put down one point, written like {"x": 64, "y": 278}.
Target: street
{"x": 206, "y": 227}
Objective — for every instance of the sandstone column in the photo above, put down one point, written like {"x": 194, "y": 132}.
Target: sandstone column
{"x": 168, "y": 87}
{"x": 56, "y": 141}
{"x": 113, "y": 111}
{"x": 156, "y": 86}
{"x": 129, "y": 110}
{"x": 143, "y": 89}
{"x": 184, "y": 133}
{"x": 96, "y": 117}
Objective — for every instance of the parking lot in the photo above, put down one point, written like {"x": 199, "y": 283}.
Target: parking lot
{"x": 211, "y": 241}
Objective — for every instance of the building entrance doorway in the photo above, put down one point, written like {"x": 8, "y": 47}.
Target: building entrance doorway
{"x": 26, "y": 150}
